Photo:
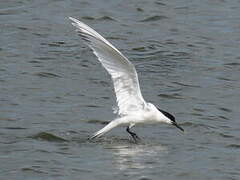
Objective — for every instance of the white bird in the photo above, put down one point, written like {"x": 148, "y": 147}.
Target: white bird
{"x": 132, "y": 108}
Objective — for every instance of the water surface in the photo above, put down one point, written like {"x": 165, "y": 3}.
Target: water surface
{"x": 54, "y": 93}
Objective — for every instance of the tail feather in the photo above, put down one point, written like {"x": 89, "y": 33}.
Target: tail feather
{"x": 107, "y": 128}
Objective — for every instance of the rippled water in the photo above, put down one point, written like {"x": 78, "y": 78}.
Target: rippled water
{"x": 54, "y": 93}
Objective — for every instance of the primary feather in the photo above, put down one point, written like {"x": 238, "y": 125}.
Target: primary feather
{"x": 122, "y": 71}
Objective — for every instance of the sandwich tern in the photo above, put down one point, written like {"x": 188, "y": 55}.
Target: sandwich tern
{"x": 132, "y": 108}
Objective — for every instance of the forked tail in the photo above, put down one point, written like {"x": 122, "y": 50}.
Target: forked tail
{"x": 107, "y": 128}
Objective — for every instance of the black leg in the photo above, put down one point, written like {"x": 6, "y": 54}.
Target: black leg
{"x": 134, "y": 135}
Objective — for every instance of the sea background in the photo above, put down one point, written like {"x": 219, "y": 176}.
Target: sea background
{"x": 54, "y": 93}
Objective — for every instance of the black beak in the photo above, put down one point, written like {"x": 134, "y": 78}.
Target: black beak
{"x": 179, "y": 127}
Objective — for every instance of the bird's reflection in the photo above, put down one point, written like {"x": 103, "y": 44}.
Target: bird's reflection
{"x": 137, "y": 156}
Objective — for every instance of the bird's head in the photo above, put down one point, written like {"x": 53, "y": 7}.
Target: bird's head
{"x": 170, "y": 119}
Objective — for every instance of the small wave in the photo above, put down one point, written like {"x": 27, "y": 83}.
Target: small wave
{"x": 112, "y": 140}
{"x": 186, "y": 85}
{"x": 34, "y": 62}
{"x": 15, "y": 128}
{"x": 171, "y": 96}
{"x": 56, "y": 44}
{"x": 196, "y": 114}
{"x": 12, "y": 10}
{"x": 45, "y": 136}
{"x": 226, "y": 135}
{"x": 232, "y": 64}
{"x": 95, "y": 121}
{"x": 234, "y": 146}
{"x": 47, "y": 75}
{"x": 82, "y": 170}
{"x": 92, "y": 105}
{"x": 30, "y": 169}
{"x": 140, "y": 49}
{"x": 22, "y": 28}
{"x": 193, "y": 125}
{"x": 225, "y": 79}
{"x": 198, "y": 110}
{"x": 139, "y": 9}
{"x": 223, "y": 117}
{"x": 115, "y": 38}
{"x": 44, "y": 58}
{"x": 106, "y": 18}
{"x": 88, "y": 17}
{"x": 103, "y": 18}
{"x": 160, "y": 3}
{"x": 153, "y": 18}
{"x": 225, "y": 109}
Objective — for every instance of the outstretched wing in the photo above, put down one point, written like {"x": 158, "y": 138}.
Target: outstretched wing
{"x": 122, "y": 71}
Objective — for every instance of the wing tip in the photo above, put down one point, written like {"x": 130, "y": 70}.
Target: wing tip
{"x": 71, "y": 18}
{"x": 95, "y": 135}
{"x": 75, "y": 21}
